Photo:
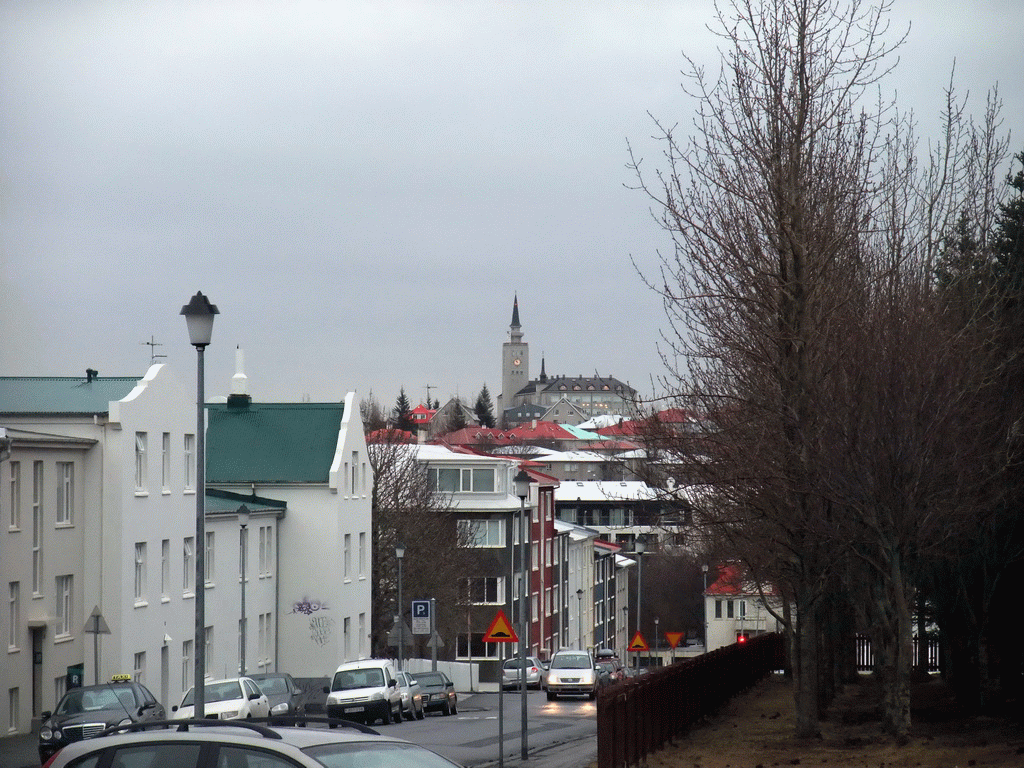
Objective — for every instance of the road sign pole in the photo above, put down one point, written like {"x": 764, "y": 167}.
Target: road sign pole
{"x": 433, "y": 635}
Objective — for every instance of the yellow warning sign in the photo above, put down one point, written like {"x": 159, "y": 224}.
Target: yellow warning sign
{"x": 638, "y": 643}
{"x": 673, "y": 638}
{"x": 500, "y": 631}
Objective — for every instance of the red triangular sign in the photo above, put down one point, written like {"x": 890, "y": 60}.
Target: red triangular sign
{"x": 500, "y": 631}
{"x": 638, "y": 643}
{"x": 673, "y": 638}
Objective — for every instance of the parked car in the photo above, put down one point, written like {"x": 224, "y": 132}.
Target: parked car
{"x": 233, "y": 698}
{"x": 438, "y": 693}
{"x": 609, "y": 667}
{"x": 512, "y": 669}
{"x": 572, "y": 672}
{"x": 365, "y": 691}
{"x": 283, "y": 693}
{"x": 412, "y": 696}
{"x": 84, "y": 712}
{"x": 213, "y": 743}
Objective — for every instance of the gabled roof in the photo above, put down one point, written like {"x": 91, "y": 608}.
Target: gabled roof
{"x": 605, "y": 490}
{"x": 580, "y": 434}
{"x": 390, "y": 435}
{"x": 733, "y": 580}
{"x": 272, "y": 442}
{"x": 542, "y": 430}
{"x": 68, "y": 395}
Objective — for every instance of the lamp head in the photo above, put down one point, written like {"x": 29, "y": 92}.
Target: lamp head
{"x": 399, "y": 551}
{"x": 639, "y": 547}
{"x": 522, "y": 484}
{"x": 243, "y": 515}
{"x": 199, "y": 314}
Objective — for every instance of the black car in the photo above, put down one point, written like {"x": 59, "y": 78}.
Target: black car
{"x": 284, "y": 695}
{"x": 438, "y": 692}
{"x": 84, "y": 712}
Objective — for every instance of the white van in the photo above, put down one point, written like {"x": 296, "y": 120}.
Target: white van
{"x": 365, "y": 691}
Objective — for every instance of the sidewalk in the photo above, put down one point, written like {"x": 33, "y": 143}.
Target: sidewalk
{"x": 19, "y": 751}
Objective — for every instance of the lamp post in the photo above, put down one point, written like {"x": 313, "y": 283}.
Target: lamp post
{"x": 400, "y": 554}
{"x": 522, "y": 483}
{"x": 704, "y": 605}
{"x": 579, "y": 616}
{"x": 199, "y": 314}
{"x": 657, "y": 637}
{"x": 243, "y": 522}
{"x": 638, "y": 549}
{"x": 625, "y": 631}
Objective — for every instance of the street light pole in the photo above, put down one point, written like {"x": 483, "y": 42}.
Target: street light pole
{"x": 639, "y": 548}
{"x": 522, "y": 483}
{"x": 704, "y": 605}
{"x": 199, "y": 314}
{"x": 579, "y": 616}
{"x": 400, "y": 554}
{"x": 243, "y": 522}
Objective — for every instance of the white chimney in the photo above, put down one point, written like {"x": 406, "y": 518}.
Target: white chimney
{"x": 239, "y": 382}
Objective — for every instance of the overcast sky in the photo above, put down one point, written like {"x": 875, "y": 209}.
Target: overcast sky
{"x": 362, "y": 187}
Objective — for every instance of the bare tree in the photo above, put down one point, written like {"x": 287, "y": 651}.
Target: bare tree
{"x": 407, "y": 510}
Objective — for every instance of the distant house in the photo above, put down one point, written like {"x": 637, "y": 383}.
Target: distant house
{"x": 736, "y": 607}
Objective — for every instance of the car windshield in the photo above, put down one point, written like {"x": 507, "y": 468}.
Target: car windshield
{"x": 92, "y": 700}
{"x": 570, "y": 661}
{"x": 272, "y": 685}
{"x": 514, "y": 664}
{"x": 226, "y": 691}
{"x": 364, "y": 754}
{"x": 372, "y": 677}
{"x": 430, "y": 678}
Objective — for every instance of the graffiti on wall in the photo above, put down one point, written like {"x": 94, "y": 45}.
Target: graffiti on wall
{"x": 320, "y": 627}
{"x": 308, "y": 607}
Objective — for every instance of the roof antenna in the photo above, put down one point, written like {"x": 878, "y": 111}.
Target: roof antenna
{"x": 153, "y": 344}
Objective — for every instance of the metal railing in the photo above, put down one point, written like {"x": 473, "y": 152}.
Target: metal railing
{"x": 638, "y": 716}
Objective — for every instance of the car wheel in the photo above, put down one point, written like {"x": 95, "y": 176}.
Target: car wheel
{"x": 447, "y": 707}
{"x": 398, "y": 717}
{"x": 421, "y": 714}
{"x": 592, "y": 695}
{"x": 455, "y": 708}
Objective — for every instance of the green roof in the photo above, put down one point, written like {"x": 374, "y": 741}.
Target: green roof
{"x": 580, "y": 434}
{"x": 62, "y": 394}
{"x": 271, "y": 442}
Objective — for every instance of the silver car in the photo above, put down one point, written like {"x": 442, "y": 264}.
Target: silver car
{"x": 513, "y": 668}
{"x": 412, "y": 696}
{"x": 572, "y": 672}
{"x": 212, "y": 743}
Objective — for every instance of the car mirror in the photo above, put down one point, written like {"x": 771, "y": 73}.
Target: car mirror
{"x": 254, "y": 696}
{"x": 46, "y": 715}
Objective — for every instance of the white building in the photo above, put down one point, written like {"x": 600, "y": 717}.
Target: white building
{"x": 735, "y": 607}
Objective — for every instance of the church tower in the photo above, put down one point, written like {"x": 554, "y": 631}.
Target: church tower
{"x": 515, "y": 362}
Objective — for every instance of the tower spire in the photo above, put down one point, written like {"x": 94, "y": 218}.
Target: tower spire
{"x": 515, "y": 311}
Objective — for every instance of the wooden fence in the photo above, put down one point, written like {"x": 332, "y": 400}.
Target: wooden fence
{"x": 640, "y": 715}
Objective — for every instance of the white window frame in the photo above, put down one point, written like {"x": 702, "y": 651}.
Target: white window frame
{"x": 37, "y": 527}
{"x": 188, "y": 558}
{"x": 347, "y": 557}
{"x": 187, "y": 664}
{"x": 165, "y": 462}
{"x": 140, "y": 463}
{"x": 208, "y": 561}
{"x": 165, "y": 569}
{"x": 14, "y": 519}
{"x": 13, "y": 615}
{"x": 491, "y": 588}
{"x": 140, "y": 573}
{"x": 65, "y": 492}
{"x": 362, "y": 554}
{"x": 139, "y": 673}
{"x": 484, "y": 533}
{"x": 13, "y": 710}
{"x": 65, "y": 585}
{"x": 189, "y": 462}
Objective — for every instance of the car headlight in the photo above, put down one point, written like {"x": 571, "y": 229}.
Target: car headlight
{"x": 280, "y": 709}
{"x": 46, "y": 734}
{"x": 230, "y": 715}
{"x": 377, "y": 696}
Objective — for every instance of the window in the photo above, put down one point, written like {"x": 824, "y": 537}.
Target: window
{"x": 718, "y": 609}
{"x": 535, "y": 554}
{"x": 165, "y": 463}
{"x": 14, "y": 521}
{"x": 64, "y": 606}
{"x": 729, "y": 609}
{"x": 266, "y": 637}
{"x": 65, "y": 492}
{"x": 208, "y": 646}
{"x": 37, "y": 527}
{"x": 484, "y": 533}
{"x": 461, "y": 480}
{"x": 346, "y": 635}
{"x": 208, "y": 560}
{"x": 362, "y": 634}
{"x": 347, "y": 555}
{"x": 355, "y": 465}
{"x": 140, "y": 572}
{"x": 139, "y": 673}
{"x": 165, "y": 567}
{"x": 140, "y": 462}
{"x": 190, "y": 462}
{"x": 362, "y": 554}
{"x": 13, "y": 706}
{"x": 485, "y": 590}
{"x": 13, "y": 614}
{"x": 742, "y": 608}
{"x": 188, "y": 561}
{"x": 187, "y": 665}
{"x": 266, "y": 550}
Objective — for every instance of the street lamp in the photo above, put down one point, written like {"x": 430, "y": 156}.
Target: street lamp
{"x": 638, "y": 549}
{"x": 656, "y": 635}
{"x": 704, "y": 605}
{"x": 243, "y": 522}
{"x": 522, "y": 484}
{"x": 400, "y": 554}
{"x": 199, "y": 314}
{"x": 579, "y": 616}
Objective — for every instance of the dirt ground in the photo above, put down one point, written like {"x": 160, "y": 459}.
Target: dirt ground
{"x": 755, "y": 730}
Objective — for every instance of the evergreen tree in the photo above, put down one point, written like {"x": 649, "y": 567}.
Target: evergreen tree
{"x": 401, "y": 416}
{"x": 457, "y": 417}
{"x": 484, "y": 409}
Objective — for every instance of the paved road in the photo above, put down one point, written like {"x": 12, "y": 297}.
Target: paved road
{"x": 560, "y": 734}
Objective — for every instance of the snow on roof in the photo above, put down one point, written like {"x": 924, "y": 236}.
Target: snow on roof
{"x": 601, "y": 490}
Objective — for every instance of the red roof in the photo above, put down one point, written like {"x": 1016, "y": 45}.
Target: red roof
{"x": 390, "y": 435}
{"x": 733, "y": 580}
{"x": 541, "y": 430}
